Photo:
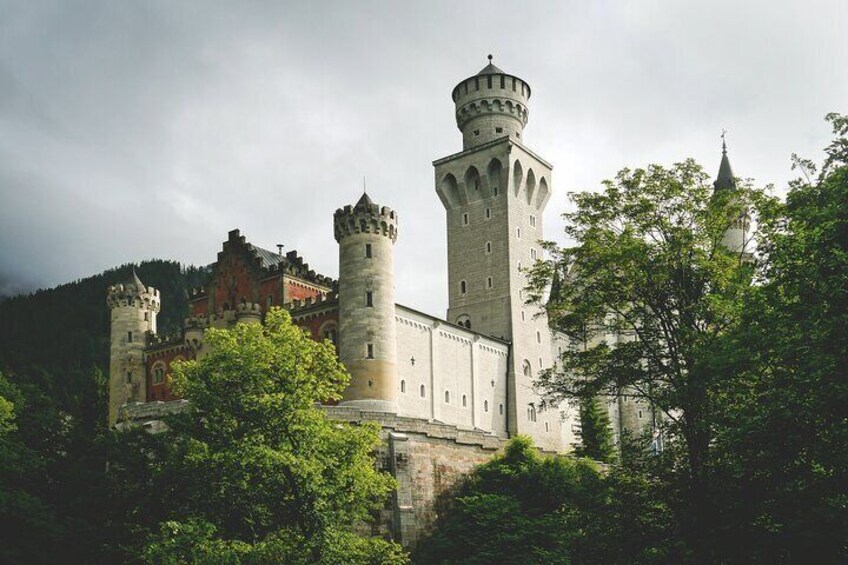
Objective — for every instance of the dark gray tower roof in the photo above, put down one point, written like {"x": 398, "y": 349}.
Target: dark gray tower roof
{"x": 364, "y": 202}
{"x": 133, "y": 279}
{"x": 725, "y": 179}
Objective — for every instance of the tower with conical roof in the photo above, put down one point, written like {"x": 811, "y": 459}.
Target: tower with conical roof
{"x": 494, "y": 193}
{"x": 366, "y": 234}
{"x": 736, "y": 236}
{"x": 133, "y": 312}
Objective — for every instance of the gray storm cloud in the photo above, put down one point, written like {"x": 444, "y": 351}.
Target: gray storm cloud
{"x": 135, "y": 130}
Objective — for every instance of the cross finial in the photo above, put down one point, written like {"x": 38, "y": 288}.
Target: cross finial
{"x": 723, "y": 142}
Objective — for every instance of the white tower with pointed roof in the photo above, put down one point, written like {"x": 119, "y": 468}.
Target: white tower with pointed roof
{"x": 494, "y": 192}
{"x": 366, "y": 234}
{"x": 133, "y": 309}
{"x": 736, "y": 237}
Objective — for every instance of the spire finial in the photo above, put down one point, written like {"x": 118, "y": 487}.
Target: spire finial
{"x": 723, "y": 142}
{"x": 363, "y": 184}
{"x": 490, "y": 57}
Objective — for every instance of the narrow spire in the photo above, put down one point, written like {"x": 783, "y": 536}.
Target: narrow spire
{"x": 725, "y": 179}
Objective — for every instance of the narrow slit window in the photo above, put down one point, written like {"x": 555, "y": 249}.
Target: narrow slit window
{"x": 129, "y": 337}
{"x": 369, "y": 298}
{"x": 465, "y": 219}
{"x": 421, "y": 391}
{"x": 488, "y": 247}
{"x": 463, "y": 287}
{"x": 489, "y": 282}
{"x": 367, "y": 250}
{"x": 465, "y": 403}
{"x": 488, "y": 213}
{"x": 403, "y": 386}
{"x": 369, "y": 351}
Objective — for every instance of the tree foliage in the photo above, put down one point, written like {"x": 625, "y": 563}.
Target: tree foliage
{"x": 650, "y": 291}
{"x": 524, "y": 508}
{"x": 782, "y": 434}
{"x": 254, "y": 466}
{"x": 596, "y": 441}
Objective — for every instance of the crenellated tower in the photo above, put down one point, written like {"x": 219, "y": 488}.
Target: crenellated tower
{"x": 494, "y": 193}
{"x": 133, "y": 310}
{"x": 366, "y": 234}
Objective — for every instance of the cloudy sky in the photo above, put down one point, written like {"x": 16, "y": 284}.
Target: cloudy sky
{"x": 148, "y": 129}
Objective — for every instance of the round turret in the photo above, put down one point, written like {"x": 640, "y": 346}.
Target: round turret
{"x": 367, "y": 336}
{"x": 134, "y": 308}
{"x": 490, "y": 105}
{"x": 249, "y": 313}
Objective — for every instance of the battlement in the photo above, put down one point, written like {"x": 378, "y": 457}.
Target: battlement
{"x": 133, "y": 294}
{"x": 365, "y": 217}
{"x": 489, "y": 105}
{"x": 330, "y": 298}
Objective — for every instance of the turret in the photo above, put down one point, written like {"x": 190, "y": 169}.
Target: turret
{"x": 367, "y": 335}
{"x": 736, "y": 236}
{"x": 134, "y": 308}
{"x": 490, "y": 105}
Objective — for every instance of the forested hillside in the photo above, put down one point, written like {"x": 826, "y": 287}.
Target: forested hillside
{"x": 56, "y": 337}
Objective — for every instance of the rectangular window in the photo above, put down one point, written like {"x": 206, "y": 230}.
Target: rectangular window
{"x": 129, "y": 337}
{"x": 533, "y": 254}
{"x": 129, "y": 376}
{"x": 369, "y": 298}
{"x": 498, "y": 130}
{"x": 146, "y": 317}
{"x": 489, "y": 81}
{"x": 367, "y": 250}
{"x": 369, "y": 351}
{"x": 532, "y": 221}
{"x": 502, "y": 81}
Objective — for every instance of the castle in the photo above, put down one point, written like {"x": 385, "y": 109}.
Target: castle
{"x": 446, "y": 391}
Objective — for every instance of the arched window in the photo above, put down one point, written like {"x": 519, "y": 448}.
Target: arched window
{"x": 463, "y": 321}
{"x": 463, "y": 287}
{"x": 527, "y": 370}
{"x": 403, "y": 386}
{"x": 421, "y": 391}
{"x": 447, "y": 397}
{"x": 500, "y": 409}
{"x": 485, "y": 406}
{"x": 538, "y": 336}
{"x": 464, "y": 404}
{"x": 158, "y": 374}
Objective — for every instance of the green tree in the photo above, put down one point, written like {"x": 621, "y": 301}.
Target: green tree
{"x": 524, "y": 508}
{"x": 782, "y": 432}
{"x": 647, "y": 266}
{"x": 253, "y": 469}
{"x": 595, "y": 433}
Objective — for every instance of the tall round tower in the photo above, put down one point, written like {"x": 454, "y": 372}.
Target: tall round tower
{"x": 367, "y": 335}
{"x": 134, "y": 308}
{"x": 490, "y": 105}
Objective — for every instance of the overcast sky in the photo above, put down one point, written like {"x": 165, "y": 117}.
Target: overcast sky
{"x": 132, "y": 130}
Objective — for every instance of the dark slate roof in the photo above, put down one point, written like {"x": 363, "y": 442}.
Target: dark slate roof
{"x": 267, "y": 256}
{"x": 364, "y": 202}
{"x": 490, "y": 69}
{"x": 133, "y": 279}
{"x": 725, "y": 179}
